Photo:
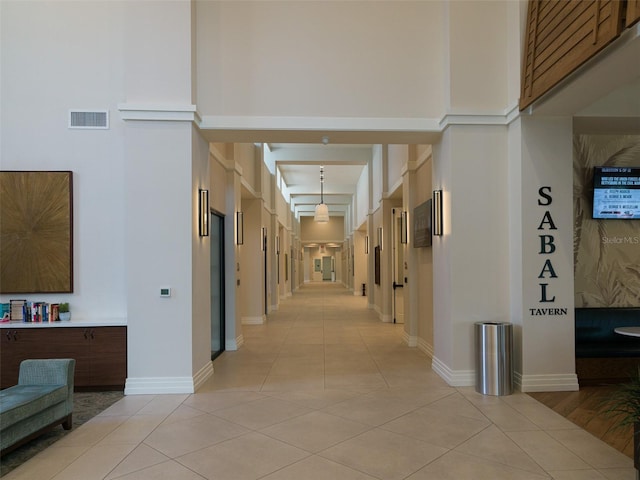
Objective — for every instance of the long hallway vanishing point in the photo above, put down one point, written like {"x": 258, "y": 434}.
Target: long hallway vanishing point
{"x": 325, "y": 390}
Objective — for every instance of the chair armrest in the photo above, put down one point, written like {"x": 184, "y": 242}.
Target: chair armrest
{"x": 49, "y": 371}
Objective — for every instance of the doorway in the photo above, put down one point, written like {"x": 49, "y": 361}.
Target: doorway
{"x": 217, "y": 283}
{"x": 327, "y": 268}
{"x": 265, "y": 254}
{"x": 397, "y": 267}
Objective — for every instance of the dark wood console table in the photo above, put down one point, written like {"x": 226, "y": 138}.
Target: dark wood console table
{"x": 100, "y": 352}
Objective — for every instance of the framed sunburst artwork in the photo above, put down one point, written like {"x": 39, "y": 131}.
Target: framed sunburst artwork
{"x": 36, "y": 232}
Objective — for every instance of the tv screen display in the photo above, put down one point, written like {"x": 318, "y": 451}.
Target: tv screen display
{"x": 616, "y": 192}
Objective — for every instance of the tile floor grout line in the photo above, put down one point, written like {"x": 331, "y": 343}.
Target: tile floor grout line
{"x": 402, "y": 373}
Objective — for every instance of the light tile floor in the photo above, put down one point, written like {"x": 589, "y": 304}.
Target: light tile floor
{"x": 324, "y": 390}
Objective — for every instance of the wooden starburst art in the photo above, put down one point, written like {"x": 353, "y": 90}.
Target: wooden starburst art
{"x": 36, "y": 232}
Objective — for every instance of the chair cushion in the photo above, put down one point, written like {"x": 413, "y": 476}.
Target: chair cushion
{"x": 22, "y": 401}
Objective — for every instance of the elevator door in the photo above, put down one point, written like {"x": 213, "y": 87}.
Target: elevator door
{"x": 217, "y": 284}
{"x": 397, "y": 265}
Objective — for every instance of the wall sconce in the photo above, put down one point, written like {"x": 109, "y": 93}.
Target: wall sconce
{"x": 403, "y": 227}
{"x": 277, "y": 244}
{"x": 263, "y": 242}
{"x": 239, "y": 228}
{"x": 437, "y": 212}
{"x": 203, "y": 213}
{"x": 366, "y": 245}
{"x": 380, "y": 238}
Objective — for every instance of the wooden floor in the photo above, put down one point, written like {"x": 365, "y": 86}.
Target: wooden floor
{"x": 586, "y": 409}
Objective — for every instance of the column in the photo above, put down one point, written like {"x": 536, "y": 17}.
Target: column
{"x": 542, "y": 300}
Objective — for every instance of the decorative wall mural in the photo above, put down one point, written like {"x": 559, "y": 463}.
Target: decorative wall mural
{"x": 36, "y": 232}
{"x": 606, "y": 252}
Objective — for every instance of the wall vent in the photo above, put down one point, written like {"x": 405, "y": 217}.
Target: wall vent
{"x": 89, "y": 119}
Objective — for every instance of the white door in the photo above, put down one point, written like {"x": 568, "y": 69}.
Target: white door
{"x": 397, "y": 264}
{"x": 326, "y": 268}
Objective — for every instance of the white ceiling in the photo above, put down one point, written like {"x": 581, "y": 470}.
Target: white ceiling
{"x": 305, "y": 177}
{"x": 299, "y": 166}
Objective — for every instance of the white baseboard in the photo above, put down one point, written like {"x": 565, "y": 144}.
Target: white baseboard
{"x": 168, "y": 385}
{"x": 454, "y": 378}
{"x": 158, "y": 385}
{"x": 202, "y": 375}
{"x": 410, "y": 340}
{"x": 567, "y": 382}
{"x": 258, "y": 320}
{"x": 423, "y": 346}
{"x": 384, "y": 317}
{"x": 233, "y": 344}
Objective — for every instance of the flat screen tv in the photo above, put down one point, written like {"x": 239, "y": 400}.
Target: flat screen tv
{"x": 616, "y": 192}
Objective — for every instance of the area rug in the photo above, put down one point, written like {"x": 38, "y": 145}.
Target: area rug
{"x": 86, "y": 405}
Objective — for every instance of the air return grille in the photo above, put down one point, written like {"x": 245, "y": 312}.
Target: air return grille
{"x": 89, "y": 119}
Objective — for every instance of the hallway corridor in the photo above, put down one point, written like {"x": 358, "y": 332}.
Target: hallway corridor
{"x": 325, "y": 391}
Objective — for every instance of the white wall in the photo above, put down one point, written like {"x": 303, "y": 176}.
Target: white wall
{"x": 376, "y": 173}
{"x": 424, "y": 259}
{"x": 514, "y": 190}
{"x": 156, "y": 213}
{"x": 200, "y": 264}
{"x": 158, "y": 51}
{"x": 548, "y": 351}
{"x": 516, "y": 18}
{"x": 83, "y": 70}
{"x": 362, "y": 197}
{"x": 135, "y": 184}
{"x": 282, "y": 209}
{"x": 266, "y": 186}
{"x": 252, "y": 264}
{"x": 346, "y": 53}
{"x": 470, "y": 267}
{"x": 398, "y": 157}
{"x": 245, "y": 157}
{"x": 478, "y": 68}
{"x": 360, "y": 263}
{"x": 332, "y": 231}
{"x": 158, "y": 46}
{"x": 217, "y": 182}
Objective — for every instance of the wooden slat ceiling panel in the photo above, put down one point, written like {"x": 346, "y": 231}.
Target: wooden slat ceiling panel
{"x": 560, "y": 36}
{"x": 546, "y": 6}
{"x": 556, "y": 13}
{"x": 572, "y": 38}
{"x": 551, "y": 31}
{"x": 569, "y": 35}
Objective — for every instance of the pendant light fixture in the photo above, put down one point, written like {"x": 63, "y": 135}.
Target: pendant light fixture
{"x": 322, "y": 211}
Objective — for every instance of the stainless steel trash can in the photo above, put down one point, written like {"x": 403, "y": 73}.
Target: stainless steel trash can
{"x": 494, "y": 352}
